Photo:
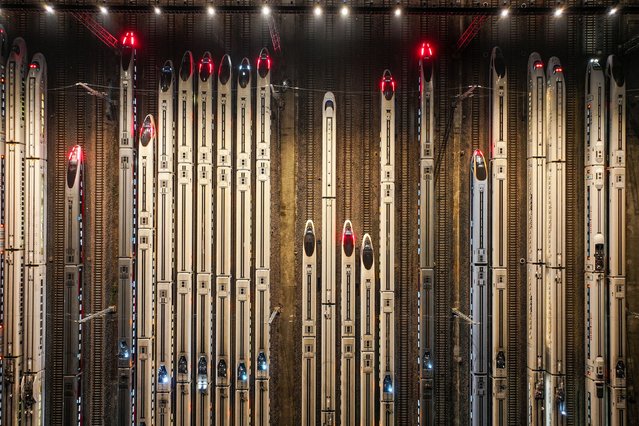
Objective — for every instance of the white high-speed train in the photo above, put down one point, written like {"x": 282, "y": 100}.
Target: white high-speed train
{"x": 387, "y": 251}
{"x": 498, "y": 260}
{"x": 243, "y": 246}
{"x": 262, "y": 326}
{"x": 223, "y": 237}
{"x": 73, "y": 265}
{"x": 16, "y": 74}
{"x": 617, "y": 354}
{"x": 595, "y": 230}
{"x": 184, "y": 239}
{"x": 535, "y": 207}
{"x": 555, "y": 292}
{"x": 203, "y": 239}
{"x": 309, "y": 325}
{"x": 426, "y": 236}
{"x": 34, "y": 332}
{"x": 165, "y": 264}
{"x": 126, "y": 238}
{"x": 347, "y": 317}
{"x": 329, "y": 325}
{"x": 368, "y": 342}
{"x": 145, "y": 271}
{"x": 4, "y": 52}
{"x": 479, "y": 302}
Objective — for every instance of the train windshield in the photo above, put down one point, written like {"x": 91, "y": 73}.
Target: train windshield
{"x": 263, "y": 64}
{"x": 480, "y": 167}
{"x": 147, "y": 132}
{"x": 205, "y": 68}
{"x": 309, "y": 242}
{"x": 186, "y": 69}
{"x": 166, "y": 77}
{"x": 367, "y": 255}
{"x": 224, "y": 73}
{"x": 245, "y": 74}
{"x": 127, "y": 56}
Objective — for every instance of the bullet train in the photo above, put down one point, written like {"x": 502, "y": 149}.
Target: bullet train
{"x": 73, "y": 266}
{"x": 184, "y": 239}
{"x": 16, "y": 73}
{"x": 204, "y": 239}
{"x": 595, "y": 242}
{"x": 309, "y": 325}
{"x": 165, "y": 262}
{"x": 498, "y": 260}
{"x": 223, "y": 237}
{"x": 426, "y": 236}
{"x": 145, "y": 272}
{"x": 347, "y": 310}
{"x": 262, "y": 239}
{"x": 617, "y": 241}
{"x": 4, "y": 53}
{"x": 243, "y": 247}
{"x": 34, "y": 333}
{"x": 329, "y": 325}
{"x": 555, "y": 272}
{"x": 479, "y": 302}
{"x": 536, "y": 165}
{"x": 387, "y": 251}
{"x": 126, "y": 239}
{"x": 368, "y": 342}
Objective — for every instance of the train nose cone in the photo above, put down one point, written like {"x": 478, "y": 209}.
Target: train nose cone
{"x": 479, "y": 165}
{"x": 263, "y": 63}
{"x": 183, "y": 367}
{"x": 367, "y": 253}
{"x": 4, "y": 42}
{"x": 348, "y": 239}
{"x": 388, "y": 85}
{"x": 205, "y": 67}
{"x": 163, "y": 375}
{"x": 499, "y": 63}
{"x": 166, "y": 76}
{"x": 186, "y": 67}
{"x": 221, "y": 368}
{"x": 244, "y": 77}
{"x": 148, "y": 130}
{"x": 616, "y": 70}
{"x": 18, "y": 46}
{"x": 224, "y": 73}
{"x": 261, "y": 362}
{"x": 309, "y": 240}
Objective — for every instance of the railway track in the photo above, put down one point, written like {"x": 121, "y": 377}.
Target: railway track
{"x": 514, "y": 302}
{"x": 574, "y": 219}
{"x": 405, "y": 284}
{"x": 57, "y": 293}
{"x": 443, "y": 245}
{"x": 97, "y": 326}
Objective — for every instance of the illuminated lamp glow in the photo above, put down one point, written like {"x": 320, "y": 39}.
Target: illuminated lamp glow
{"x": 538, "y": 65}
{"x": 504, "y": 12}
{"x": 613, "y": 11}
{"x": 344, "y": 11}
{"x": 48, "y": 8}
{"x": 559, "y": 69}
{"x": 398, "y": 12}
{"x": 157, "y": 10}
{"x": 317, "y": 10}
{"x": 104, "y": 10}
{"x": 558, "y": 12}
{"x": 266, "y": 10}
{"x": 425, "y": 50}
{"x": 210, "y": 10}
